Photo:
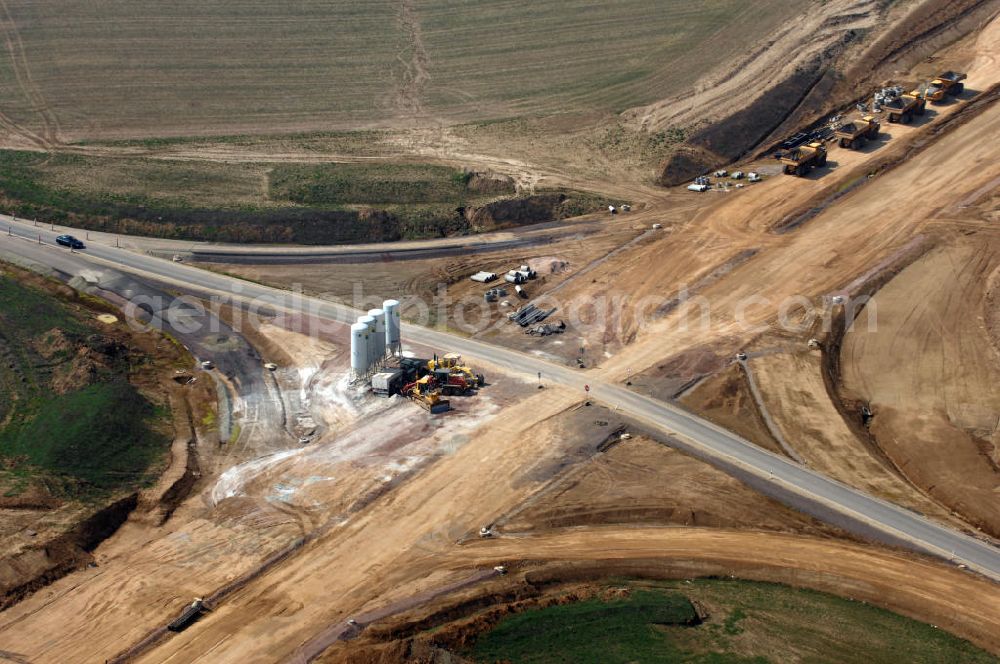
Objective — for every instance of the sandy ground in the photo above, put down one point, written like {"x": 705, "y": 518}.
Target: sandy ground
{"x": 930, "y": 375}
{"x": 614, "y": 487}
{"x": 797, "y": 400}
{"x": 821, "y": 256}
{"x": 954, "y": 601}
{"x": 252, "y": 511}
{"x": 375, "y": 533}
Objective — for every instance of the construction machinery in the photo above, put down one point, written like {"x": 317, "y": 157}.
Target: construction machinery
{"x": 921, "y": 96}
{"x": 451, "y": 364}
{"x": 903, "y": 107}
{"x": 803, "y": 159}
{"x": 453, "y": 383}
{"x": 190, "y": 614}
{"x": 948, "y": 84}
{"x": 425, "y": 392}
{"x": 854, "y": 134}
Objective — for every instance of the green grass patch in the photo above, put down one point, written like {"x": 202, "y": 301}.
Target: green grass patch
{"x": 99, "y": 435}
{"x": 593, "y": 631}
{"x": 26, "y": 312}
{"x": 369, "y": 184}
{"x": 748, "y": 622}
{"x": 307, "y": 204}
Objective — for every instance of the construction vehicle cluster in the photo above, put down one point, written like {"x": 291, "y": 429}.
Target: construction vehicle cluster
{"x": 805, "y": 151}
{"x": 723, "y": 179}
{"x": 427, "y": 382}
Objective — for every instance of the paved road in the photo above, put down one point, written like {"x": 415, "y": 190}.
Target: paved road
{"x": 790, "y": 481}
{"x": 531, "y": 235}
{"x": 249, "y": 394}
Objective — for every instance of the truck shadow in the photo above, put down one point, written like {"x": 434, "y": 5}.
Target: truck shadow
{"x": 822, "y": 171}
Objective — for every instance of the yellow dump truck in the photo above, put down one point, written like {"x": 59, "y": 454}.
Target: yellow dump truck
{"x": 904, "y": 107}
{"x": 803, "y": 159}
{"x": 854, "y": 134}
{"x": 948, "y": 84}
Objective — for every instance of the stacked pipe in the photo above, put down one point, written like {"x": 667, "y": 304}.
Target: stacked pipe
{"x": 523, "y": 313}
{"x": 537, "y": 316}
{"x": 531, "y": 314}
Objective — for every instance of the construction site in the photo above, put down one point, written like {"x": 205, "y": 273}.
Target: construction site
{"x": 731, "y": 399}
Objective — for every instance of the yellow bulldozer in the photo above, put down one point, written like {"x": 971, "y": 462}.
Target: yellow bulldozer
{"x": 426, "y": 393}
{"x": 451, "y": 363}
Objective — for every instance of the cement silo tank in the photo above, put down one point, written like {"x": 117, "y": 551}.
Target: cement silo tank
{"x": 379, "y": 338}
{"x": 372, "y": 325}
{"x": 359, "y": 349}
{"x": 392, "y": 326}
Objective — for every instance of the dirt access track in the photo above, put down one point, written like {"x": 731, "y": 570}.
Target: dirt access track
{"x": 952, "y": 601}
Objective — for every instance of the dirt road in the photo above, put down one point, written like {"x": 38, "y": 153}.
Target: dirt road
{"x": 947, "y": 598}
{"x": 930, "y": 375}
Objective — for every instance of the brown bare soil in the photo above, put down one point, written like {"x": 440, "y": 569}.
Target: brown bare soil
{"x": 796, "y": 397}
{"x": 617, "y": 487}
{"x": 573, "y": 558}
{"x": 929, "y": 374}
{"x": 725, "y": 399}
{"x": 838, "y": 245}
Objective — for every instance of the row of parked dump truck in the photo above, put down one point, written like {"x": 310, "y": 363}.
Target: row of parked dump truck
{"x": 900, "y": 107}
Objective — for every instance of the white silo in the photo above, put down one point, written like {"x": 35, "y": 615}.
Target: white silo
{"x": 359, "y": 349}
{"x": 379, "y": 338}
{"x": 392, "y": 326}
{"x": 370, "y": 323}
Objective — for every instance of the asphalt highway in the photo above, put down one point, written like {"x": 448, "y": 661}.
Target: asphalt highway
{"x": 786, "y": 479}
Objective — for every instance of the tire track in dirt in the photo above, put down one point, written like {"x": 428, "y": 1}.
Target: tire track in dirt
{"x": 415, "y": 70}
{"x": 22, "y": 72}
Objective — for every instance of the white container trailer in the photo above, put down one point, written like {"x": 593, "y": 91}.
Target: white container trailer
{"x": 378, "y": 341}
{"x": 392, "y": 325}
{"x": 359, "y": 349}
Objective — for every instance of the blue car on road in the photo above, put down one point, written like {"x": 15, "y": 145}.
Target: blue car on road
{"x": 69, "y": 241}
